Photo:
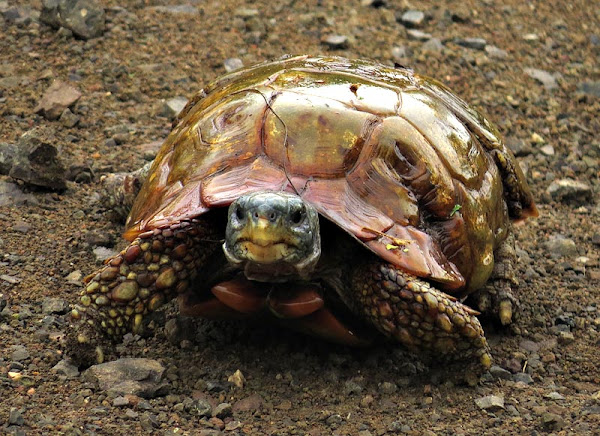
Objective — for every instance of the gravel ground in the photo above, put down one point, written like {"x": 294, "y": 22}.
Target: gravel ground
{"x": 98, "y": 96}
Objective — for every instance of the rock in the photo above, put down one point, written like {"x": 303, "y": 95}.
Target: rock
{"x": 336, "y": 42}
{"x": 334, "y": 420}
{"x": 54, "y": 305}
{"x": 21, "y": 227}
{"x": 412, "y": 19}
{"x": 37, "y": 162}
{"x": 529, "y": 346}
{"x": 103, "y": 253}
{"x": 387, "y": 388}
{"x": 232, "y": 64}
{"x": 237, "y": 378}
{"x": 500, "y": 373}
{"x": 374, "y": 3}
{"x": 536, "y": 138}
{"x": 20, "y": 15}
{"x": 434, "y": 45}
{"x": 68, "y": 118}
{"x": 547, "y": 150}
{"x": 543, "y": 77}
{"x": 10, "y": 279}
{"x": 351, "y": 387}
{"x": 590, "y": 88}
{"x": 474, "y": 43}
{"x": 491, "y": 402}
{"x": 552, "y": 421}
{"x": 246, "y": 13}
{"x": 570, "y": 191}
{"x": 173, "y": 106}
{"x": 176, "y": 9}
{"x": 11, "y": 195}
{"x": 74, "y": 277}
{"x": 418, "y": 35}
{"x": 560, "y": 246}
{"x": 399, "y": 54}
{"x": 96, "y": 238}
{"x": 565, "y": 338}
{"x": 223, "y": 410}
{"x": 495, "y": 53}
{"x": 249, "y": 404}
{"x": 201, "y": 407}
{"x": 554, "y": 396}
{"x": 64, "y": 367}
{"x": 149, "y": 422}
{"x": 15, "y": 417}
{"x": 129, "y": 376}
{"x": 522, "y": 377}
{"x": 120, "y": 402}
{"x": 518, "y": 146}
{"x": 7, "y": 156}
{"x": 19, "y": 353}
{"x": 85, "y": 18}
{"x": 58, "y": 97}
{"x": 150, "y": 149}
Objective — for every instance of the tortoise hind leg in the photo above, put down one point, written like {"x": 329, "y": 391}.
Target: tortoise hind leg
{"x": 417, "y": 315}
{"x": 496, "y": 297}
{"x": 156, "y": 267}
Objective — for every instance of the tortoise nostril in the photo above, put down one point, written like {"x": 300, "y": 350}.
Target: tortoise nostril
{"x": 255, "y": 215}
{"x": 272, "y": 216}
{"x": 239, "y": 213}
{"x": 297, "y": 217}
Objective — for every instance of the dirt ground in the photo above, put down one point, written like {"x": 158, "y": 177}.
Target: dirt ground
{"x": 547, "y": 366}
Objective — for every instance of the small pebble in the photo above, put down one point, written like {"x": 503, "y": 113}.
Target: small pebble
{"x": 54, "y": 305}
{"x": 66, "y": 368}
{"x": 491, "y": 402}
{"x": 173, "y": 106}
{"x": 15, "y": 417}
{"x": 418, "y": 35}
{"x": 223, "y": 410}
{"x": 232, "y": 64}
{"x": 120, "y": 402}
{"x": 237, "y": 378}
{"x": 387, "y": 388}
{"x": 522, "y": 377}
{"x": 335, "y": 42}
{"x": 554, "y": 396}
{"x": 474, "y": 43}
{"x": 552, "y": 421}
{"x": 412, "y": 18}
{"x": 500, "y": 373}
{"x": 565, "y": 338}
{"x": 19, "y": 353}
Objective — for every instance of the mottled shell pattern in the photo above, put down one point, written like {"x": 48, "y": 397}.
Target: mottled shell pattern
{"x": 393, "y": 158}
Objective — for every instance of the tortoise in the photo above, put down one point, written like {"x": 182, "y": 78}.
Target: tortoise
{"x": 343, "y": 198}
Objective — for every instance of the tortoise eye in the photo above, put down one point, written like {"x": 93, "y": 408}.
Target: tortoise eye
{"x": 238, "y": 213}
{"x": 297, "y": 217}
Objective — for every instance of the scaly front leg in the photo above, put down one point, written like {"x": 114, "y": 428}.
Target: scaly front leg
{"x": 417, "y": 315}
{"x": 156, "y": 267}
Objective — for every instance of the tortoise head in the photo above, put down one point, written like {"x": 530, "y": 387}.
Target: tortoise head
{"x": 272, "y": 236}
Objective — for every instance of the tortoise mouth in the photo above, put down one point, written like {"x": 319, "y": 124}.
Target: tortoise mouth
{"x": 265, "y": 253}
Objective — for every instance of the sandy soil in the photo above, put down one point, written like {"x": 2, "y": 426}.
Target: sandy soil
{"x": 548, "y": 364}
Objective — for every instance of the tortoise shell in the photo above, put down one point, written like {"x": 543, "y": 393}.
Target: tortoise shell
{"x": 393, "y": 158}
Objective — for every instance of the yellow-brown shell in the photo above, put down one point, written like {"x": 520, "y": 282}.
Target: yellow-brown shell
{"x": 384, "y": 153}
